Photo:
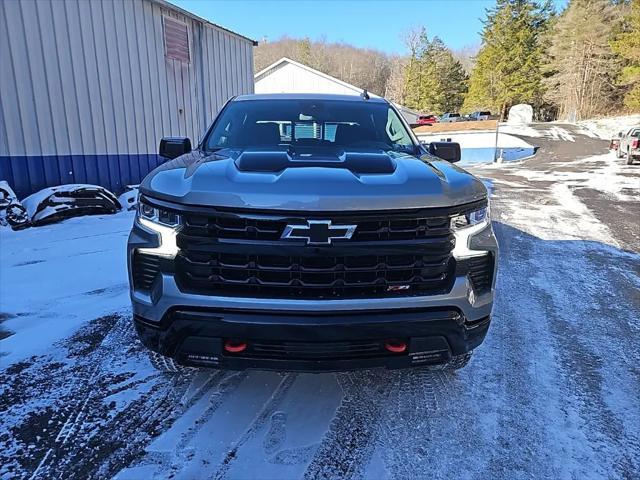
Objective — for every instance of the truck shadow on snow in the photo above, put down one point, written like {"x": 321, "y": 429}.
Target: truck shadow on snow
{"x": 94, "y": 407}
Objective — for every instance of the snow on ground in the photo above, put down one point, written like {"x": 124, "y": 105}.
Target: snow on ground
{"x": 607, "y": 128}
{"x": 552, "y": 393}
{"x": 52, "y": 276}
{"x": 546, "y": 130}
{"x": 523, "y": 130}
{"x": 604, "y": 128}
{"x": 604, "y": 173}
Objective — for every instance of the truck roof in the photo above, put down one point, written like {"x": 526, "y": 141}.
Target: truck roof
{"x": 307, "y": 96}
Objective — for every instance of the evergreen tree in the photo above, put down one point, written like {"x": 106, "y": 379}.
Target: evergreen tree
{"x": 583, "y": 69}
{"x": 435, "y": 80}
{"x": 304, "y": 52}
{"x": 417, "y": 42}
{"x": 627, "y": 45}
{"x": 508, "y": 66}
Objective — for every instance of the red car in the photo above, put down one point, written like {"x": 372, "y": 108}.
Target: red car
{"x": 427, "y": 119}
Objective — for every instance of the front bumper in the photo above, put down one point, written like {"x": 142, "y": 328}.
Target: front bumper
{"x": 312, "y": 342}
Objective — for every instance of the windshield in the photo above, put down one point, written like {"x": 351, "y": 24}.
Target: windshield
{"x": 309, "y": 123}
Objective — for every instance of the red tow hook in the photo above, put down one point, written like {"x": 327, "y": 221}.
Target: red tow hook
{"x": 235, "y": 346}
{"x": 395, "y": 346}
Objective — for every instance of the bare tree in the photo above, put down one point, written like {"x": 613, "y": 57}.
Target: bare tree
{"x": 467, "y": 56}
{"x": 583, "y": 68}
{"x": 364, "y": 68}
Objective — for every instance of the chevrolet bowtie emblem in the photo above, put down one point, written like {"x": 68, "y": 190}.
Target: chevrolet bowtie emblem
{"x": 319, "y": 232}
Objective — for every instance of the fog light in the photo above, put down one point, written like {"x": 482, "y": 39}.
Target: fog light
{"x": 395, "y": 346}
{"x": 235, "y": 346}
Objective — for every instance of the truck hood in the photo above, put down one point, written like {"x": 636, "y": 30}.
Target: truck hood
{"x": 277, "y": 179}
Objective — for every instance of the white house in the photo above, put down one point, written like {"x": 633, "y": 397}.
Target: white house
{"x": 289, "y": 76}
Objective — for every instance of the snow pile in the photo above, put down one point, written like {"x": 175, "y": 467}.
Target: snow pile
{"x": 607, "y": 128}
{"x": 521, "y": 114}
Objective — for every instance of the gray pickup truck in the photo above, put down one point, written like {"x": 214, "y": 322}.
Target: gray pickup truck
{"x": 311, "y": 233}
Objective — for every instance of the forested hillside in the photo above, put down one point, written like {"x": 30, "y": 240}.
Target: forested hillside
{"x": 575, "y": 64}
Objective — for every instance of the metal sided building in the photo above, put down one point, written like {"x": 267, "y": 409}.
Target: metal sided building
{"x": 88, "y": 87}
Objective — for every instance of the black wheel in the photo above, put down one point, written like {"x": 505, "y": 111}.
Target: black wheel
{"x": 618, "y": 152}
{"x": 629, "y": 158}
{"x": 166, "y": 364}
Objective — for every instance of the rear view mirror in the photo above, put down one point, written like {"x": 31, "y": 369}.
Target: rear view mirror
{"x": 449, "y": 151}
{"x": 173, "y": 147}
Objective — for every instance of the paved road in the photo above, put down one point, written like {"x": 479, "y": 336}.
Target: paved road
{"x": 553, "y": 393}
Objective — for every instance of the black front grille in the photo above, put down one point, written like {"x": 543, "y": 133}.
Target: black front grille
{"x": 234, "y": 227}
{"x": 243, "y": 255}
{"x": 315, "y": 350}
{"x": 270, "y": 229}
{"x": 319, "y": 277}
{"x": 145, "y": 270}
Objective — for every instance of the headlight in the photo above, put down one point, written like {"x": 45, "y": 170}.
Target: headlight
{"x": 480, "y": 216}
{"x": 465, "y": 227}
{"x": 163, "y": 222}
{"x": 158, "y": 215}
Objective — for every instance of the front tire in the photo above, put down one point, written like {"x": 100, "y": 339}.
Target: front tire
{"x": 457, "y": 362}
{"x": 629, "y": 158}
{"x": 166, "y": 364}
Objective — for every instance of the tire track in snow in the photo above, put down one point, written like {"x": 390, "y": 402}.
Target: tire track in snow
{"x": 407, "y": 420}
{"x": 95, "y": 439}
{"x": 258, "y": 423}
{"x": 350, "y": 441}
{"x": 570, "y": 286}
{"x": 227, "y": 383}
{"x": 584, "y": 357}
{"x": 85, "y": 339}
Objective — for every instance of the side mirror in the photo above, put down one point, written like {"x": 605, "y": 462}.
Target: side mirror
{"x": 173, "y": 147}
{"x": 449, "y": 151}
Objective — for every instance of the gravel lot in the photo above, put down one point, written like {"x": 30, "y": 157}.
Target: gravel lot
{"x": 554, "y": 392}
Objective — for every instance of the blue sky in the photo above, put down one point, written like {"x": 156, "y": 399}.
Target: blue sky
{"x": 377, "y": 24}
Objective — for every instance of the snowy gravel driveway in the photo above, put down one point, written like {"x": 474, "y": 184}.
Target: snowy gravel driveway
{"x": 554, "y": 392}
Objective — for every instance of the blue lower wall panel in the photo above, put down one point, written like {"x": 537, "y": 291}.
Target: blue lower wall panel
{"x": 27, "y": 175}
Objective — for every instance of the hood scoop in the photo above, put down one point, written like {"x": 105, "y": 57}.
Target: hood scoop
{"x": 277, "y": 161}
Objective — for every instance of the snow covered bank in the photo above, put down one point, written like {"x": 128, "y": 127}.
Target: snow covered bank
{"x": 606, "y": 128}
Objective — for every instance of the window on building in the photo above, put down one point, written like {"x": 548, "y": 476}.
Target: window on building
{"x": 176, "y": 39}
